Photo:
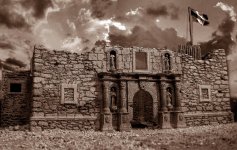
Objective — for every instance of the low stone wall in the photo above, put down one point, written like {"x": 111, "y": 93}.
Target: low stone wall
{"x": 82, "y": 124}
{"x": 199, "y": 119}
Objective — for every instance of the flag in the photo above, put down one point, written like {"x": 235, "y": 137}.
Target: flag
{"x": 198, "y": 17}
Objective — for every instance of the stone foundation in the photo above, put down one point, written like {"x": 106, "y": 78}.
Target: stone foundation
{"x": 214, "y": 118}
{"x": 81, "y": 124}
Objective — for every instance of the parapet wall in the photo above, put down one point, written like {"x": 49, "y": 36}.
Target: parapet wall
{"x": 208, "y": 75}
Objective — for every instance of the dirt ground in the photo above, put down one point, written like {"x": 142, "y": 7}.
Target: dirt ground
{"x": 221, "y": 137}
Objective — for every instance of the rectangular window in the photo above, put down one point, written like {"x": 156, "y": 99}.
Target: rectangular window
{"x": 205, "y": 93}
{"x": 141, "y": 61}
{"x": 15, "y": 87}
{"x": 69, "y": 94}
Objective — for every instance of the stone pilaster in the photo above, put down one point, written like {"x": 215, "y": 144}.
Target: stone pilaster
{"x": 179, "y": 120}
{"x": 124, "y": 124}
{"x": 163, "y": 96}
{"x": 106, "y": 115}
{"x": 179, "y": 115}
{"x": 177, "y": 95}
{"x": 164, "y": 115}
{"x": 123, "y": 96}
{"x": 164, "y": 119}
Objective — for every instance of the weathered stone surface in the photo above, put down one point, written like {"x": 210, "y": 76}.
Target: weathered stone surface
{"x": 15, "y": 107}
{"x": 54, "y": 68}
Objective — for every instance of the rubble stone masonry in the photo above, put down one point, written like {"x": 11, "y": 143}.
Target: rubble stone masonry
{"x": 213, "y": 73}
{"x": 69, "y": 90}
{"x": 15, "y": 107}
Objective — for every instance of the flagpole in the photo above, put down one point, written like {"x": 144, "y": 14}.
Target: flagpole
{"x": 190, "y": 26}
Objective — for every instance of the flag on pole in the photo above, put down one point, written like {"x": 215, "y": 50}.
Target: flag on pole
{"x": 198, "y": 17}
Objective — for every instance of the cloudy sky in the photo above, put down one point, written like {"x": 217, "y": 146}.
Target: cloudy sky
{"x": 76, "y": 25}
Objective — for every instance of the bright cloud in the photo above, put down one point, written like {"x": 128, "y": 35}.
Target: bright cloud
{"x": 71, "y": 43}
{"x": 109, "y": 22}
{"x": 134, "y": 12}
{"x": 228, "y": 9}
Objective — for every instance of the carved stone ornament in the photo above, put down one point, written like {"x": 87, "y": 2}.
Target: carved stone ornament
{"x": 166, "y": 118}
{"x": 142, "y": 85}
{"x": 124, "y": 119}
{"x": 163, "y": 85}
{"x": 107, "y": 119}
{"x": 181, "y": 117}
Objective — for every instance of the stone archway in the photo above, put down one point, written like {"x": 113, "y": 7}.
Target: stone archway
{"x": 142, "y": 108}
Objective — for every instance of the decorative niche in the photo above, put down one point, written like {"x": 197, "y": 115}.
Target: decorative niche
{"x": 205, "y": 93}
{"x": 112, "y": 60}
{"x": 69, "y": 94}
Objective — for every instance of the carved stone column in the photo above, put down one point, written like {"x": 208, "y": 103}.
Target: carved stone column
{"x": 106, "y": 115}
{"x": 164, "y": 114}
{"x": 123, "y": 96}
{"x": 177, "y": 96}
{"x": 106, "y": 97}
{"x": 180, "y": 121}
{"x": 163, "y": 96}
{"x": 124, "y": 123}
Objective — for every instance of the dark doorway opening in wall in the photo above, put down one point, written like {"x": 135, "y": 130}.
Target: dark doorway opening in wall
{"x": 233, "y": 103}
{"x": 142, "y": 110}
{"x": 15, "y": 87}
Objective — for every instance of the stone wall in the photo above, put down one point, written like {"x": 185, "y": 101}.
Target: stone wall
{"x": 67, "y": 91}
{"x": 210, "y": 73}
{"x": 208, "y": 118}
{"x": 77, "y": 72}
{"x": 15, "y": 107}
{"x": 53, "y": 70}
{"x": 78, "y": 123}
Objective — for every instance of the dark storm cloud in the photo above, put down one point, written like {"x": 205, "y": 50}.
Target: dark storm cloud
{"x": 5, "y": 45}
{"x": 100, "y": 8}
{"x": 12, "y": 19}
{"x": 221, "y": 38}
{"x": 39, "y": 6}
{"x": 144, "y": 30}
{"x": 6, "y": 67}
{"x": 15, "y": 62}
{"x": 163, "y": 10}
{"x": 154, "y": 37}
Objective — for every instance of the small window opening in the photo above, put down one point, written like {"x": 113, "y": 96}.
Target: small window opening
{"x": 16, "y": 87}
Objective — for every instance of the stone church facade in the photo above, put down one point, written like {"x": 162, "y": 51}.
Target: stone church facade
{"x": 116, "y": 88}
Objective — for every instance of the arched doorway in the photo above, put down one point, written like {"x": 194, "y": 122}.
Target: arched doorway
{"x": 142, "y": 109}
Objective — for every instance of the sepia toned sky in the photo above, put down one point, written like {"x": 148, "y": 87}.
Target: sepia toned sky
{"x": 76, "y": 25}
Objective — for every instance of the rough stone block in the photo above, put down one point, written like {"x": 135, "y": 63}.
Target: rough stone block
{"x": 37, "y": 104}
{"x": 43, "y": 123}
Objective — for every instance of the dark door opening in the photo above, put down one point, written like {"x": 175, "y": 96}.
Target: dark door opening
{"x": 142, "y": 110}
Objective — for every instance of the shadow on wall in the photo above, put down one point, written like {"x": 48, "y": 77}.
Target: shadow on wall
{"x": 233, "y": 103}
